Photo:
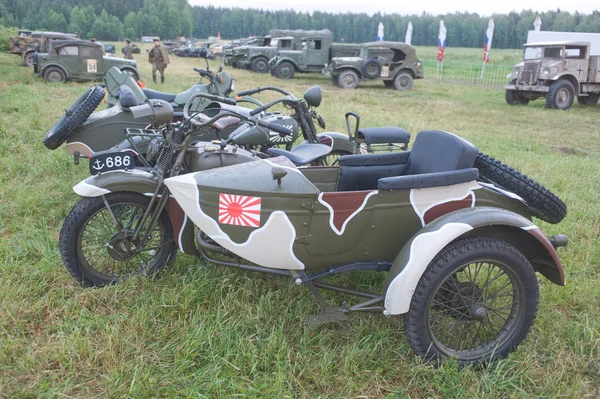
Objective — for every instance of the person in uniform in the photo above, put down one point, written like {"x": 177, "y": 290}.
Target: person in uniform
{"x": 159, "y": 58}
{"x": 128, "y": 50}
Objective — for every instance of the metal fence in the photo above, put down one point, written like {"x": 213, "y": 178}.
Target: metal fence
{"x": 493, "y": 77}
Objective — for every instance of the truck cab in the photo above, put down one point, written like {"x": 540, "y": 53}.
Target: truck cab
{"x": 314, "y": 54}
{"x": 257, "y": 58}
{"x": 557, "y": 71}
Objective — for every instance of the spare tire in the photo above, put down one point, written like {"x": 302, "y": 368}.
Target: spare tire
{"x": 74, "y": 117}
{"x": 371, "y": 68}
{"x": 550, "y": 208}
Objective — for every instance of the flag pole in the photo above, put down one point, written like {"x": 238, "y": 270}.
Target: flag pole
{"x": 482, "y": 69}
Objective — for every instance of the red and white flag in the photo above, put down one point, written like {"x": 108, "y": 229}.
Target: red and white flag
{"x": 239, "y": 210}
{"x": 487, "y": 45}
{"x": 442, "y": 41}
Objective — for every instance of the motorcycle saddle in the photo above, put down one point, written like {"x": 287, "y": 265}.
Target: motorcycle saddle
{"x": 158, "y": 95}
{"x": 302, "y": 154}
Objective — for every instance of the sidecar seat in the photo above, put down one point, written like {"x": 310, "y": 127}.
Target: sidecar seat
{"x": 437, "y": 159}
{"x": 159, "y": 95}
{"x": 127, "y": 98}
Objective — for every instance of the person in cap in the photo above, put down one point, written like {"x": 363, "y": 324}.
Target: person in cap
{"x": 159, "y": 58}
{"x": 128, "y": 50}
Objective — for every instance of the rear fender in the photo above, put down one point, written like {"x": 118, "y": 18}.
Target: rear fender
{"x": 423, "y": 247}
{"x": 142, "y": 182}
{"x": 341, "y": 142}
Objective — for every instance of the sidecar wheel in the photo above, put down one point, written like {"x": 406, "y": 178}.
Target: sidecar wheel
{"x": 74, "y": 117}
{"x": 476, "y": 301}
{"x": 96, "y": 253}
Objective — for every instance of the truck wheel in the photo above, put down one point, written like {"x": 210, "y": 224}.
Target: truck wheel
{"x": 550, "y": 208}
{"x": 285, "y": 70}
{"x": 28, "y": 59}
{"x": 588, "y": 100}
{"x": 348, "y": 79}
{"x": 403, "y": 81}
{"x": 371, "y": 68}
{"x": 513, "y": 97}
{"x": 476, "y": 301}
{"x": 388, "y": 83}
{"x": 260, "y": 65}
{"x": 560, "y": 95}
{"x": 74, "y": 117}
{"x": 54, "y": 74}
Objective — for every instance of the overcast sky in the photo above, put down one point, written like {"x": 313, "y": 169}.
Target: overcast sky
{"x": 481, "y": 7}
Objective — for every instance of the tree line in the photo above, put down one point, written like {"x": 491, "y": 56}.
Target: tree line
{"x": 117, "y": 19}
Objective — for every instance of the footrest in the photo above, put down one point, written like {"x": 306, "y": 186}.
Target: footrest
{"x": 383, "y": 135}
{"x": 329, "y": 315}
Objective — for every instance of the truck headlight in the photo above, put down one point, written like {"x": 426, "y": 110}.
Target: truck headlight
{"x": 546, "y": 71}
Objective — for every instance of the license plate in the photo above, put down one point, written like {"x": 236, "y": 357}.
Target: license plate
{"x": 385, "y": 71}
{"x": 113, "y": 161}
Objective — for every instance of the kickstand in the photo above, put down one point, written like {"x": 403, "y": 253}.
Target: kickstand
{"x": 329, "y": 314}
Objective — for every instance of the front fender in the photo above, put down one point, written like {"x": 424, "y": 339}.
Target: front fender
{"x": 423, "y": 247}
{"x": 291, "y": 61}
{"x": 142, "y": 182}
{"x": 341, "y": 142}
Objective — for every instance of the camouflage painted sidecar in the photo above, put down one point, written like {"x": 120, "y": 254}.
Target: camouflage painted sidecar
{"x": 460, "y": 254}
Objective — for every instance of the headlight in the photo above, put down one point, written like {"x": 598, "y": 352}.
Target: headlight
{"x": 546, "y": 71}
{"x": 232, "y": 88}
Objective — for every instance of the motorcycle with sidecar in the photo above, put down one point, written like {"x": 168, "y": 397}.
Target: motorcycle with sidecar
{"x": 460, "y": 254}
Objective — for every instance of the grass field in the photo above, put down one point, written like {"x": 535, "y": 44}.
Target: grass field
{"x": 200, "y": 331}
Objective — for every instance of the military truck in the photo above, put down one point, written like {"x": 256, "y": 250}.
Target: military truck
{"x": 246, "y": 41}
{"x": 78, "y": 60}
{"x": 395, "y": 63}
{"x": 25, "y": 43}
{"x": 557, "y": 71}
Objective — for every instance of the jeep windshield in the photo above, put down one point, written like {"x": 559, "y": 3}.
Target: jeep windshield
{"x": 532, "y": 53}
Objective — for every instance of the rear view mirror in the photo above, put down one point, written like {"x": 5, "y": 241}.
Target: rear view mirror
{"x": 313, "y": 96}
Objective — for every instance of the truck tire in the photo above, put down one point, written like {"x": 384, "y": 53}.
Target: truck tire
{"x": 348, "y": 79}
{"x": 371, "y": 68}
{"x": 560, "y": 95}
{"x": 551, "y": 208}
{"x": 403, "y": 81}
{"x": 260, "y": 65}
{"x": 513, "y": 97}
{"x": 74, "y": 117}
{"x": 388, "y": 83}
{"x": 28, "y": 58}
{"x": 592, "y": 99}
{"x": 285, "y": 70}
{"x": 54, "y": 74}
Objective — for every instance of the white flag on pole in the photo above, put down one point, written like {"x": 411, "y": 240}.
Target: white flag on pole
{"x": 408, "y": 38}
{"x": 380, "y": 32}
{"x": 487, "y": 45}
{"x": 537, "y": 25}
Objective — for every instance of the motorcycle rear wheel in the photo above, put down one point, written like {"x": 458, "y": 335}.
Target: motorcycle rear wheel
{"x": 97, "y": 253}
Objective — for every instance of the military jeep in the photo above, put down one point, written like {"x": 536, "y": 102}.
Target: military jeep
{"x": 558, "y": 71}
{"x": 397, "y": 67}
{"x": 78, "y": 60}
{"x": 26, "y": 42}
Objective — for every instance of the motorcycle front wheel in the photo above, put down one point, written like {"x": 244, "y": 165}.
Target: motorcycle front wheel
{"x": 97, "y": 244}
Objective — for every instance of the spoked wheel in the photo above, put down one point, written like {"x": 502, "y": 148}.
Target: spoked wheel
{"x": 476, "y": 302}
{"x": 333, "y": 158}
{"x": 98, "y": 247}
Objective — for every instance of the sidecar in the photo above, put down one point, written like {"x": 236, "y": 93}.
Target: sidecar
{"x": 460, "y": 254}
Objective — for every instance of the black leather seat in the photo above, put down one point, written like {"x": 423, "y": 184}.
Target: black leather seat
{"x": 159, "y": 95}
{"x": 127, "y": 98}
{"x": 303, "y": 154}
{"x": 384, "y": 135}
{"x": 436, "y": 159}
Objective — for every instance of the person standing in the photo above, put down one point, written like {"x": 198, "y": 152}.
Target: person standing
{"x": 159, "y": 58}
{"x": 128, "y": 50}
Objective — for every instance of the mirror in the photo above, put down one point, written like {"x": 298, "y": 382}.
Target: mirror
{"x": 313, "y": 96}
{"x": 204, "y": 53}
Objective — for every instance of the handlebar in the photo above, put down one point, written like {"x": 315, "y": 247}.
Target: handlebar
{"x": 203, "y": 73}
{"x": 259, "y": 89}
{"x": 275, "y": 127}
{"x": 272, "y": 103}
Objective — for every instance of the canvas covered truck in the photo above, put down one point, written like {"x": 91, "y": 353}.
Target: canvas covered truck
{"x": 25, "y": 43}
{"x": 558, "y": 71}
{"x": 256, "y": 57}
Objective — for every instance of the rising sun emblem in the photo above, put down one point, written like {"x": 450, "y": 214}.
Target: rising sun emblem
{"x": 239, "y": 210}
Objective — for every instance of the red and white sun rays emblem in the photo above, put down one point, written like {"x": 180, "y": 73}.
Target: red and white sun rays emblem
{"x": 239, "y": 210}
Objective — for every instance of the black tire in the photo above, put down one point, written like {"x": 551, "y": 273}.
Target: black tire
{"x": 348, "y": 79}
{"x": 74, "y": 117}
{"x": 459, "y": 285}
{"x": 371, "y": 68}
{"x": 550, "y": 208}
{"x": 54, "y": 75}
{"x": 513, "y": 97}
{"x": 560, "y": 95}
{"x": 588, "y": 100}
{"x": 260, "y": 65}
{"x": 28, "y": 58}
{"x": 285, "y": 70}
{"x": 388, "y": 83}
{"x": 77, "y": 225}
{"x": 403, "y": 81}
{"x": 35, "y": 62}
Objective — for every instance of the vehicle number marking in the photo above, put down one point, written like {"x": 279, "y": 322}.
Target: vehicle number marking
{"x": 108, "y": 162}
{"x": 92, "y": 66}
{"x": 385, "y": 71}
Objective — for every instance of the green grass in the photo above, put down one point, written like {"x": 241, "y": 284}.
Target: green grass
{"x": 200, "y": 331}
